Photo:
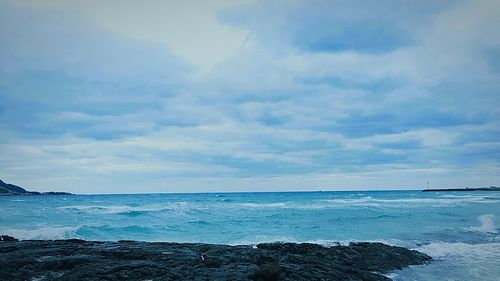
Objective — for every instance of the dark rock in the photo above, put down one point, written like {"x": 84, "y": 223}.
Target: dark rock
{"x": 130, "y": 260}
{"x": 267, "y": 272}
{"x": 55, "y": 193}
{"x": 7, "y": 238}
{"x": 75, "y": 240}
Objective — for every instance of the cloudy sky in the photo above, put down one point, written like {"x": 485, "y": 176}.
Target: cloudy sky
{"x": 172, "y": 96}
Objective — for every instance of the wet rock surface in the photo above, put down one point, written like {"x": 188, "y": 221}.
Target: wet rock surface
{"x": 131, "y": 260}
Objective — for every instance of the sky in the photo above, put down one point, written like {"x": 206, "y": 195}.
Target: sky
{"x": 249, "y": 95}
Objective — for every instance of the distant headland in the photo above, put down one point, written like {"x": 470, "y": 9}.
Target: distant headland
{"x": 491, "y": 188}
{"x": 11, "y": 189}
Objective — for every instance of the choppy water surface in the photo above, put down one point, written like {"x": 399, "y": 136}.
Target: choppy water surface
{"x": 458, "y": 229}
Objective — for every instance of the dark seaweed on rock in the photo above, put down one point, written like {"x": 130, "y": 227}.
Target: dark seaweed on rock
{"x": 130, "y": 260}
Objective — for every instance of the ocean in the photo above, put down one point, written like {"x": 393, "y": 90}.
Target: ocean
{"x": 458, "y": 229}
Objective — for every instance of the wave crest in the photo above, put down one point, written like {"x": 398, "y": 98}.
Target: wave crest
{"x": 487, "y": 225}
{"x": 42, "y": 233}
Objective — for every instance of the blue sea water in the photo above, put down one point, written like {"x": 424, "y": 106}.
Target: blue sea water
{"x": 458, "y": 229}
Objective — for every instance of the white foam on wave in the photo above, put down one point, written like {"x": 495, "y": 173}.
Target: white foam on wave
{"x": 455, "y": 261}
{"x": 327, "y": 243}
{"x": 366, "y": 199}
{"x": 119, "y": 209}
{"x": 258, "y": 239}
{"x": 487, "y": 225}
{"x": 263, "y": 205}
{"x": 392, "y": 242}
{"x": 42, "y": 233}
{"x": 369, "y": 201}
{"x": 484, "y": 251}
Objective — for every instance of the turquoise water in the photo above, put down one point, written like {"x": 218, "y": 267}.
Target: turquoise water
{"x": 459, "y": 229}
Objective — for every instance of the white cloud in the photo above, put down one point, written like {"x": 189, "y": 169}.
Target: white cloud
{"x": 188, "y": 28}
{"x": 113, "y": 111}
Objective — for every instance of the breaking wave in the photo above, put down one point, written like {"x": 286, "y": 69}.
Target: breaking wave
{"x": 369, "y": 201}
{"x": 484, "y": 251}
{"x": 135, "y": 210}
{"x": 263, "y": 205}
{"x": 42, "y": 233}
{"x": 487, "y": 225}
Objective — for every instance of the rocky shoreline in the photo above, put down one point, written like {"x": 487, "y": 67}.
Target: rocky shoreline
{"x": 76, "y": 259}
